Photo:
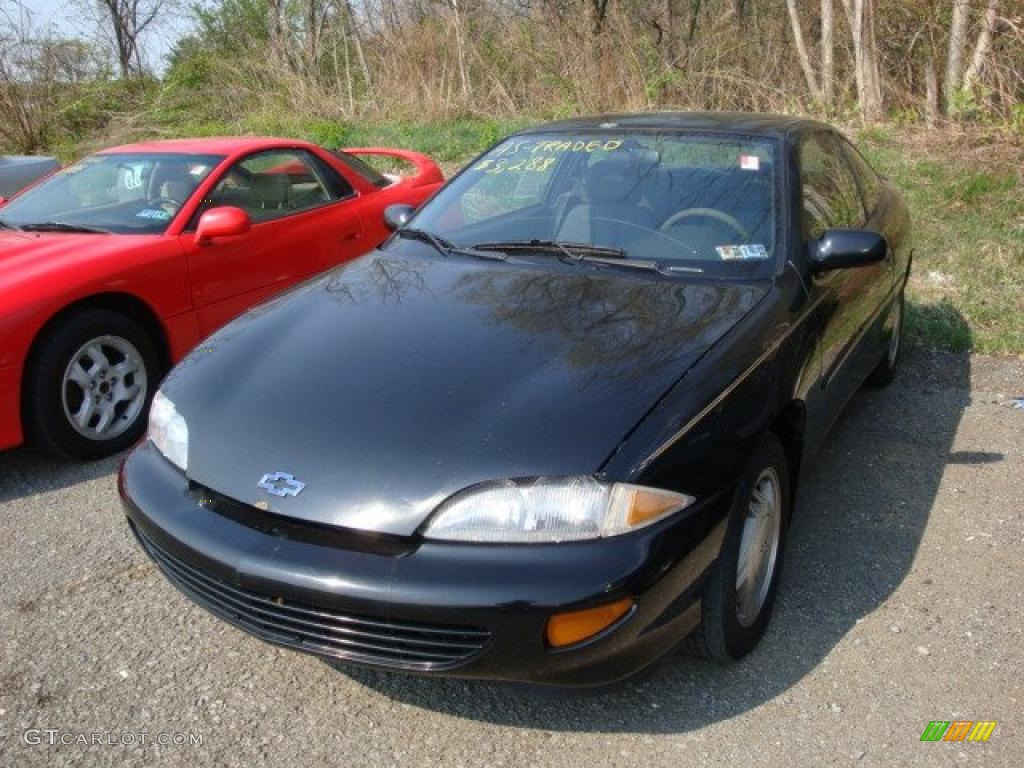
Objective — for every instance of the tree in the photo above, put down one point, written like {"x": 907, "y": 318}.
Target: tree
{"x": 983, "y": 46}
{"x": 128, "y": 20}
{"x": 822, "y": 88}
{"x": 36, "y": 69}
{"x": 861, "y": 17}
{"x": 955, "y": 54}
{"x": 801, "y": 51}
{"x": 276, "y": 28}
{"x": 828, "y": 77}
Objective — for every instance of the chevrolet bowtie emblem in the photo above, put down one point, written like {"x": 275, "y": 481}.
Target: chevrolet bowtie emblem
{"x": 281, "y": 484}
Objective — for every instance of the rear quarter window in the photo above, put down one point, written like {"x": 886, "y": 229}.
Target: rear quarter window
{"x": 364, "y": 169}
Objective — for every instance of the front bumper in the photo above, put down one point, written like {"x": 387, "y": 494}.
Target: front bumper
{"x": 463, "y": 610}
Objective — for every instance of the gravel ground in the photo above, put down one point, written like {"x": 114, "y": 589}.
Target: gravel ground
{"x": 901, "y": 603}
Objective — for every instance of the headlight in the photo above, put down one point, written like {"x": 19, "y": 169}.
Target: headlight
{"x": 168, "y": 431}
{"x": 551, "y": 510}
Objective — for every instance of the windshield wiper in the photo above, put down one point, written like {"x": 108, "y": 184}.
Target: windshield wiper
{"x": 441, "y": 245}
{"x": 62, "y": 226}
{"x": 569, "y": 249}
{"x": 446, "y": 247}
{"x": 577, "y": 252}
{"x": 619, "y": 261}
{"x": 8, "y": 225}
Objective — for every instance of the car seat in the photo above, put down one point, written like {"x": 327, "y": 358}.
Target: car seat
{"x": 270, "y": 191}
{"x": 609, "y": 211}
{"x": 172, "y": 182}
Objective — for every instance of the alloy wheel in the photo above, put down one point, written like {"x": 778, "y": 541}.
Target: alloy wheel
{"x": 104, "y": 387}
{"x": 759, "y": 547}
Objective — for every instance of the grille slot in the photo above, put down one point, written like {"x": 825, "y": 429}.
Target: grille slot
{"x": 305, "y": 531}
{"x": 398, "y": 644}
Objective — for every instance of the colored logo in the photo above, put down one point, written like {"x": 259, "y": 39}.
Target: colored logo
{"x": 959, "y": 730}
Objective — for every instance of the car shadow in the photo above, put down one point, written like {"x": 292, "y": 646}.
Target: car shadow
{"x": 861, "y": 511}
{"x": 24, "y": 473}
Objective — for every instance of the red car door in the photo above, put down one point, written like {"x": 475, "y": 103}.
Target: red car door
{"x": 306, "y": 218}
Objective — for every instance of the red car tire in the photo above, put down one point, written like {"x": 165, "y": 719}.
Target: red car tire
{"x": 88, "y": 385}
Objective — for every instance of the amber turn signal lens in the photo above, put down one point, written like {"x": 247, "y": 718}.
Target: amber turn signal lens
{"x": 648, "y": 505}
{"x": 569, "y": 628}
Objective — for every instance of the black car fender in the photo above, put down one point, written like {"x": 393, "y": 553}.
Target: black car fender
{"x": 757, "y": 377}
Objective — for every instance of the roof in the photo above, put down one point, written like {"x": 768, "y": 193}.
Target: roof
{"x": 730, "y": 122}
{"x": 218, "y": 145}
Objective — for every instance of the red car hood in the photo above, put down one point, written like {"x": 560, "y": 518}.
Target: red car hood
{"x": 28, "y": 255}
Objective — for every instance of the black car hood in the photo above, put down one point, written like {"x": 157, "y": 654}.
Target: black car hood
{"x": 390, "y": 383}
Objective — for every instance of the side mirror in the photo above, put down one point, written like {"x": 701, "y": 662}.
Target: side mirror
{"x": 397, "y": 216}
{"x": 226, "y": 221}
{"x": 845, "y": 248}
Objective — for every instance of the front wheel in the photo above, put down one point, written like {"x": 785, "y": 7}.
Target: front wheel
{"x": 88, "y": 385}
{"x": 740, "y": 591}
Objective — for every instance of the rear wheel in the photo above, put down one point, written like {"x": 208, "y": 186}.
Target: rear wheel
{"x": 740, "y": 591}
{"x": 886, "y": 369}
{"x": 88, "y": 385}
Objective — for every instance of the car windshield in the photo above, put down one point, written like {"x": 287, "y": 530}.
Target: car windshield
{"x": 130, "y": 193}
{"x": 688, "y": 201}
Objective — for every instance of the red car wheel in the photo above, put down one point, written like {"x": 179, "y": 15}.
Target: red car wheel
{"x": 88, "y": 385}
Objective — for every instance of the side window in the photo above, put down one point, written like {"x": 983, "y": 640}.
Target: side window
{"x": 830, "y": 194}
{"x": 280, "y": 182}
{"x": 870, "y": 184}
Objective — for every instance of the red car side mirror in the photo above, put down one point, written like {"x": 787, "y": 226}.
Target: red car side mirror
{"x": 226, "y": 221}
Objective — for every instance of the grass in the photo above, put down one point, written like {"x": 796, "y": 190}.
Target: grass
{"x": 966, "y": 195}
{"x": 451, "y": 141}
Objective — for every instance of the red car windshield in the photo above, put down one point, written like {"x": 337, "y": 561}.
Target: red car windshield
{"x": 690, "y": 201}
{"x": 130, "y": 193}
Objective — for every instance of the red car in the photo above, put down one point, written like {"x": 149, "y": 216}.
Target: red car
{"x": 114, "y": 267}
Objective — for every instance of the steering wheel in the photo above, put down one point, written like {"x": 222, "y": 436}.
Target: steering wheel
{"x": 709, "y": 213}
{"x": 160, "y": 202}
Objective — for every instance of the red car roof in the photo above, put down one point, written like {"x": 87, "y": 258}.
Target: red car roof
{"x": 219, "y": 145}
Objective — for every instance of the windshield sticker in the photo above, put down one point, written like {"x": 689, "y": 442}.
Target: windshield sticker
{"x": 555, "y": 146}
{"x": 752, "y": 252}
{"x": 537, "y": 163}
{"x": 538, "y": 156}
{"x": 750, "y": 162}
{"x": 153, "y": 213}
{"x": 577, "y": 146}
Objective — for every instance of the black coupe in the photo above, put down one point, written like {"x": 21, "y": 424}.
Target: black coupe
{"x": 554, "y": 425}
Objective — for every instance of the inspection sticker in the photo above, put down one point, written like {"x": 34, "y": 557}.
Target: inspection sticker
{"x": 750, "y": 162}
{"x": 153, "y": 213}
{"x": 742, "y": 252}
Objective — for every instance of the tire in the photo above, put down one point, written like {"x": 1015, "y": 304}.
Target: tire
{"x": 117, "y": 368}
{"x": 732, "y": 624}
{"x": 885, "y": 371}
